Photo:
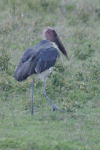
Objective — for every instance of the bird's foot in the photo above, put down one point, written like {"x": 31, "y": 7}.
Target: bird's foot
{"x": 55, "y": 107}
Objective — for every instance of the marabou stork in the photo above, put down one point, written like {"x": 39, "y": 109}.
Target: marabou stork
{"x": 39, "y": 60}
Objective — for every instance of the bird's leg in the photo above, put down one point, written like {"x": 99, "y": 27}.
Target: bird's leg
{"x": 32, "y": 97}
{"x": 44, "y": 93}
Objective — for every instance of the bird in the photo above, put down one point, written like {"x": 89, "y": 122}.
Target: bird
{"x": 39, "y": 60}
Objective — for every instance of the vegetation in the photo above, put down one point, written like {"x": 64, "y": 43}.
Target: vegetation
{"x": 73, "y": 85}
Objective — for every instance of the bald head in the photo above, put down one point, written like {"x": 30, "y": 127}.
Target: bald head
{"x": 51, "y": 35}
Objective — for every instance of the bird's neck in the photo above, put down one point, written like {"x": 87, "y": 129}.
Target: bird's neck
{"x": 55, "y": 46}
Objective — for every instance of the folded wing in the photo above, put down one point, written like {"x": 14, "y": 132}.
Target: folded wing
{"x": 36, "y": 60}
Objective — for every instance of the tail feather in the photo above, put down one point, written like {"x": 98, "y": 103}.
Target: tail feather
{"x": 22, "y": 71}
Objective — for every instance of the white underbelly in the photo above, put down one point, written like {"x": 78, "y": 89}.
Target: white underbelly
{"x": 42, "y": 75}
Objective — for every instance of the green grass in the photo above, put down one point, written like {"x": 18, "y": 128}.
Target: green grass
{"x": 74, "y": 86}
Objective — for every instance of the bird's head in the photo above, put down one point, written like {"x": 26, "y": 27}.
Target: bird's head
{"x": 51, "y": 35}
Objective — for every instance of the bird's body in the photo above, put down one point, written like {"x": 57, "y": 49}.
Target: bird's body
{"x": 39, "y": 60}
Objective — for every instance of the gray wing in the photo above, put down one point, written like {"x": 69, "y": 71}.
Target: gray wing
{"x": 33, "y": 51}
{"x": 45, "y": 59}
{"x": 36, "y": 60}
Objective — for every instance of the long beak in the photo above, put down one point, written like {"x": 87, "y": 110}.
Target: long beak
{"x": 61, "y": 47}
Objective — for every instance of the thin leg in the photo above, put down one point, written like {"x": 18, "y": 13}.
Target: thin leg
{"x": 44, "y": 92}
{"x": 32, "y": 97}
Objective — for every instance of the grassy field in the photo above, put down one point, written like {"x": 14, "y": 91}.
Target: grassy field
{"x": 74, "y": 86}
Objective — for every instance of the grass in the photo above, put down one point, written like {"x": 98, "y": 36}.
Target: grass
{"x": 78, "y": 129}
{"x": 74, "y": 86}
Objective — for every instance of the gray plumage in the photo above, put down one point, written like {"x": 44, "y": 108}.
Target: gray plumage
{"x": 36, "y": 59}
